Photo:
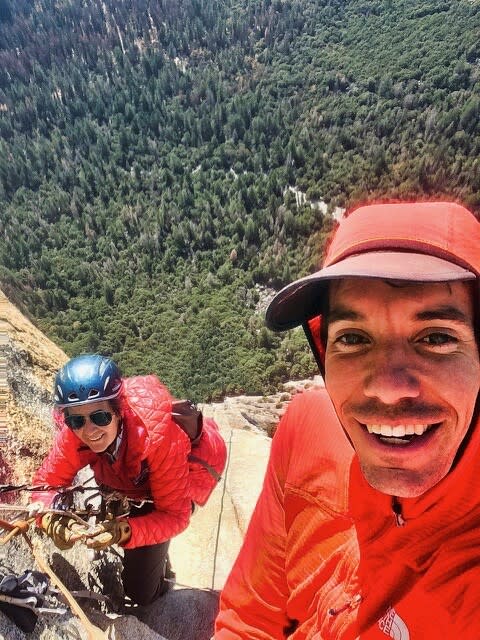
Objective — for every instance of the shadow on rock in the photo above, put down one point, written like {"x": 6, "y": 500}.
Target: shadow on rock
{"x": 182, "y": 614}
{"x": 69, "y": 574}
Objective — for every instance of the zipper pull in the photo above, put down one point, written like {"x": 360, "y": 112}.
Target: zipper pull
{"x": 397, "y": 512}
{"x": 354, "y": 602}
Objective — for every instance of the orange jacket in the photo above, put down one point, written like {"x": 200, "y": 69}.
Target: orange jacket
{"x": 327, "y": 557}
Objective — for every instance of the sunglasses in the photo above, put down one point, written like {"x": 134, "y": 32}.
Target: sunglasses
{"x": 99, "y": 418}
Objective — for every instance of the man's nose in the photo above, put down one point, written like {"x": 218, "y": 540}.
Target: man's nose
{"x": 392, "y": 378}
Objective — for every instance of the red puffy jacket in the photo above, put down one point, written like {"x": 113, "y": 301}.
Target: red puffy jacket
{"x": 327, "y": 557}
{"x": 151, "y": 462}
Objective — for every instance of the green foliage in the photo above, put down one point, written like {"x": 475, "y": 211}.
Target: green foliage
{"x": 147, "y": 150}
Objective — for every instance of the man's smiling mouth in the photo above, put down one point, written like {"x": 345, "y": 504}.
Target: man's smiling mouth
{"x": 401, "y": 434}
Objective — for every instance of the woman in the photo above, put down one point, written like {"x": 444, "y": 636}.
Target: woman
{"x": 124, "y": 429}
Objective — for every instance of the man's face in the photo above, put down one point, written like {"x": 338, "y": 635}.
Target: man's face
{"x": 402, "y": 369}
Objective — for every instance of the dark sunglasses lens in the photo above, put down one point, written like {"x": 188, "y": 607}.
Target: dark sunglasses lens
{"x": 75, "y": 422}
{"x": 101, "y": 418}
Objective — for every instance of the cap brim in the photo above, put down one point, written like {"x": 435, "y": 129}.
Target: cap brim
{"x": 303, "y": 299}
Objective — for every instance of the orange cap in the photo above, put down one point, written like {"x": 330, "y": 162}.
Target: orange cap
{"x": 414, "y": 241}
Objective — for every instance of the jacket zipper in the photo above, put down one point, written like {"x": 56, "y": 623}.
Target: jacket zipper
{"x": 397, "y": 512}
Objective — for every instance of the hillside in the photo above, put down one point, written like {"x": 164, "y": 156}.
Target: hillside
{"x": 147, "y": 147}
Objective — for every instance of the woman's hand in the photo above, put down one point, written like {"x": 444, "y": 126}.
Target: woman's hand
{"x": 63, "y": 530}
{"x": 35, "y": 509}
{"x": 112, "y": 532}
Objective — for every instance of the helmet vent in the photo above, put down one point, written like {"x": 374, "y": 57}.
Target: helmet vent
{"x": 72, "y": 397}
{"x": 93, "y": 393}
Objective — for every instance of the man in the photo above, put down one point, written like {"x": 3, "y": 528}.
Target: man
{"x": 368, "y": 524}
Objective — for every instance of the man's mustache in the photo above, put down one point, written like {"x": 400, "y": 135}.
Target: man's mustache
{"x": 371, "y": 410}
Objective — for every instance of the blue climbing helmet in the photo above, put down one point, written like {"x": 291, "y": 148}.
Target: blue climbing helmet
{"x": 87, "y": 378}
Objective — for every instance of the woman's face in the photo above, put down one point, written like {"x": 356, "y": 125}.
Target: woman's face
{"x": 97, "y": 435}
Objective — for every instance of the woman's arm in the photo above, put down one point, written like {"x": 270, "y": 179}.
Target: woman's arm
{"x": 59, "y": 467}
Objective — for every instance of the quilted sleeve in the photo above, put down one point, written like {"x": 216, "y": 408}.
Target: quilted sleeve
{"x": 59, "y": 467}
{"x": 254, "y": 600}
{"x": 169, "y": 485}
{"x": 210, "y": 448}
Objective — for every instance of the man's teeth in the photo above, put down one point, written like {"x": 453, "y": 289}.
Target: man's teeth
{"x": 397, "y": 431}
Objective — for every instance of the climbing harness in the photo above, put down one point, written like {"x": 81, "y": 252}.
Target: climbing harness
{"x": 23, "y": 597}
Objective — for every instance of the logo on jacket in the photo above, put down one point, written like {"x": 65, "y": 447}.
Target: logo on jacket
{"x": 392, "y": 625}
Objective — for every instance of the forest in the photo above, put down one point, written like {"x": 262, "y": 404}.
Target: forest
{"x": 164, "y": 163}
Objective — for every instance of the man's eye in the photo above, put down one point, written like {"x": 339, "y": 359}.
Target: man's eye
{"x": 351, "y": 339}
{"x": 439, "y": 339}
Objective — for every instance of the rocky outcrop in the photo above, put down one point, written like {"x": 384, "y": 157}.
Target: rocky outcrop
{"x": 28, "y": 361}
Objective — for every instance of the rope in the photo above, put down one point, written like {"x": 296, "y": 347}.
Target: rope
{"x": 215, "y": 553}
{"x": 108, "y": 496}
{"x": 4, "y": 524}
{"x": 4, "y": 488}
